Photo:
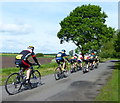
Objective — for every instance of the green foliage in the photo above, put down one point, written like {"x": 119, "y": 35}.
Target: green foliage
{"x": 40, "y": 55}
{"x": 85, "y": 27}
{"x": 117, "y": 44}
{"x": 111, "y": 48}
{"x": 107, "y": 51}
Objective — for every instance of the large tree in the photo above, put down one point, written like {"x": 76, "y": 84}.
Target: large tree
{"x": 85, "y": 27}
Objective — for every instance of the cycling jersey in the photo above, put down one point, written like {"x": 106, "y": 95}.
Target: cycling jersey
{"x": 80, "y": 57}
{"x": 25, "y": 54}
{"x": 74, "y": 57}
{"x": 60, "y": 56}
{"x": 86, "y": 57}
{"x": 22, "y": 58}
{"x": 92, "y": 57}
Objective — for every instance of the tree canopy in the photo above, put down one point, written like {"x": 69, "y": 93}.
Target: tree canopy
{"x": 85, "y": 27}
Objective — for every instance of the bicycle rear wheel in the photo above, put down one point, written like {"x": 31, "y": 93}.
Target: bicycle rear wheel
{"x": 35, "y": 78}
{"x": 57, "y": 73}
{"x": 13, "y": 84}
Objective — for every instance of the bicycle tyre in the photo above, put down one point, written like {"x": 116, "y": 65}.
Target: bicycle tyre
{"x": 57, "y": 73}
{"x": 13, "y": 84}
{"x": 35, "y": 78}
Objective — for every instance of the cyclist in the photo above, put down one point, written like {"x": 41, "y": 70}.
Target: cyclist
{"x": 21, "y": 60}
{"x": 86, "y": 59}
{"x": 60, "y": 58}
{"x": 80, "y": 60}
{"x": 96, "y": 60}
{"x": 73, "y": 62}
{"x": 92, "y": 59}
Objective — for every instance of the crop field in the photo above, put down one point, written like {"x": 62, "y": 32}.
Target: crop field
{"x": 9, "y": 59}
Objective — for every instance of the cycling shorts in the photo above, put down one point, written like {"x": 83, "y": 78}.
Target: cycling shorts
{"x": 72, "y": 61}
{"x": 91, "y": 60}
{"x": 86, "y": 61}
{"x": 59, "y": 60}
{"x": 23, "y": 64}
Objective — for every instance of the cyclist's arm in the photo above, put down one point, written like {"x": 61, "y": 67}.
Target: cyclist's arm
{"x": 35, "y": 59}
{"x": 66, "y": 58}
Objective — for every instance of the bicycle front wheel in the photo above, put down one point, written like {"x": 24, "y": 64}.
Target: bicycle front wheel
{"x": 35, "y": 78}
{"x": 13, "y": 84}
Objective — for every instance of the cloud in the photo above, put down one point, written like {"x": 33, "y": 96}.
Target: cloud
{"x": 15, "y": 29}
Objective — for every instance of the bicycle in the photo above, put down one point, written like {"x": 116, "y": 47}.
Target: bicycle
{"x": 15, "y": 81}
{"x": 58, "y": 73}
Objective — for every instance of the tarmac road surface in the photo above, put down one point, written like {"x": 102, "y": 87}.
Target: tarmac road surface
{"x": 76, "y": 87}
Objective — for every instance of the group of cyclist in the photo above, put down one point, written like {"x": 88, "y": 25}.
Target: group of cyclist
{"x": 21, "y": 60}
{"x": 77, "y": 60}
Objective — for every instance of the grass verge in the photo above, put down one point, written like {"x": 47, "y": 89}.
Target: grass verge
{"x": 111, "y": 91}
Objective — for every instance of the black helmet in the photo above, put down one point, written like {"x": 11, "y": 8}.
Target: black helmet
{"x": 76, "y": 55}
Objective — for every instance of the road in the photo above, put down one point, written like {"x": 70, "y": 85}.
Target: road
{"x": 76, "y": 87}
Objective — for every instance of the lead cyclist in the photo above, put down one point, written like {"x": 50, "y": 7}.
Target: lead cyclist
{"x": 60, "y": 57}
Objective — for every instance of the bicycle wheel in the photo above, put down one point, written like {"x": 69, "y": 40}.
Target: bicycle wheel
{"x": 57, "y": 73}
{"x": 13, "y": 84}
{"x": 35, "y": 78}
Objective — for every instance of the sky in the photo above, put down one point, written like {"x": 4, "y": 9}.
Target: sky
{"x": 37, "y": 24}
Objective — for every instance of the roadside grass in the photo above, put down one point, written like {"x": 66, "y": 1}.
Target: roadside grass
{"x": 111, "y": 91}
{"x": 45, "y": 69}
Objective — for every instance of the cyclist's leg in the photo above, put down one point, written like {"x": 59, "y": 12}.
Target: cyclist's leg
{"x": 27, "y": 66}
{"x": 72, "y": 63}
{"x": 80, "y": 63}
{"x": 64, "y": 64}
{"x": 59, "y": 63}
{"x": 87, "y": 63}
{"x": 90, "y": 62}
{"x": 94, "y": 62}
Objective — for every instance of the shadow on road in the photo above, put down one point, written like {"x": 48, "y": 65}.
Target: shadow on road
{"x": 34, "y": 85}
{"x": 116, "y": 66}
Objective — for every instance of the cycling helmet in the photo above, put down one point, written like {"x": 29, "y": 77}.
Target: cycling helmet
{"x": 63, "y": 50}
{"x": 75, "y": 55}
{"x": 31, "y": 47}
